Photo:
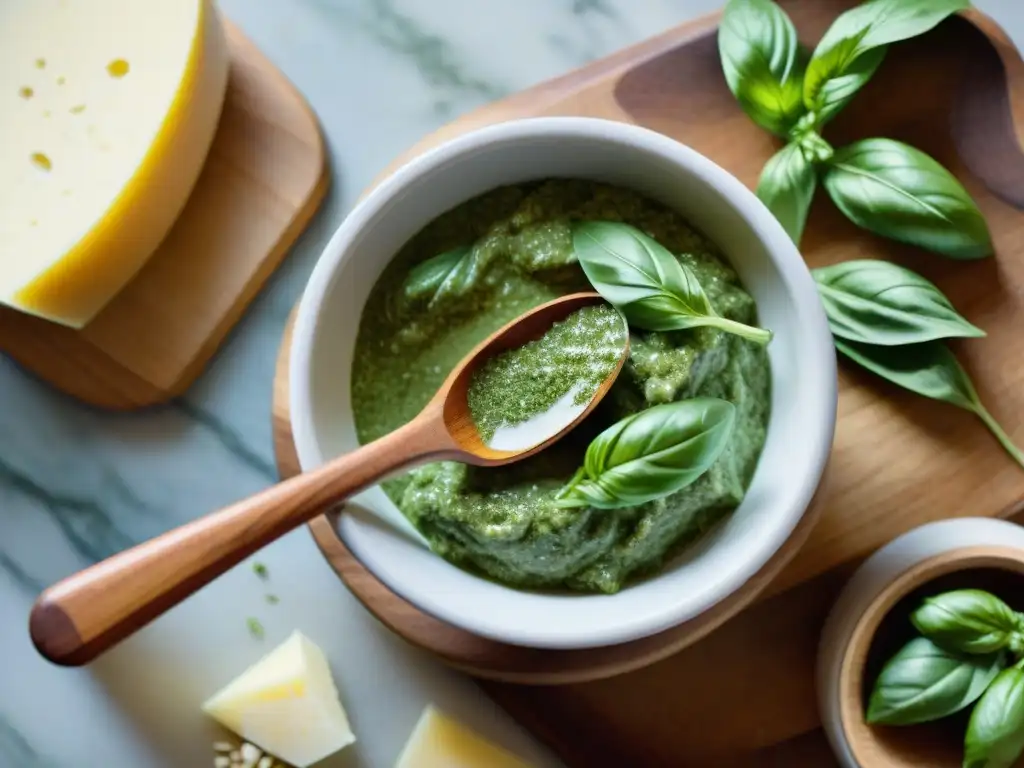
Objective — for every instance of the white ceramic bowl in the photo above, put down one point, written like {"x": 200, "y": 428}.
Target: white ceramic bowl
{"x": 897, "y": 561}
{"x": 802, "y": 361}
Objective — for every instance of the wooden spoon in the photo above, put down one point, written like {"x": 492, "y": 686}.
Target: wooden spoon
{"x": 84, "y": 615}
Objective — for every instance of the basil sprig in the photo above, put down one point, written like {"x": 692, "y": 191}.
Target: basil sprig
{"x": 995, "y": 732}
{"x": 651, "y": 454}
{"x": 647, "y": 283}
{"x": 853, "y": 47}
{"x": 924, "y": 682}
{"x": 901, "y": 193}
{"x": 787, "y": 187}
{"x": 878, "y": 302}
{"x": 884, "y": 186}
{"x": 968, "y": 621}
{"x": 931, "y": 370}
{"x": 891, "y": 321}
{"x": 763, "y": 63}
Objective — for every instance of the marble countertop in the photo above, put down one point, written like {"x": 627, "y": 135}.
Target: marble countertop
{"x": 77, "y": 485}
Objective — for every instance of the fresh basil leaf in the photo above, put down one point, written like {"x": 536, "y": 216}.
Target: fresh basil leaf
{"x": 995, "y": 733}
{"x": 853, "y": 47}
{"x": 763, "y": 62}
{"x": 651, "y": 454}
{"x": 647, "y": 283}
{"x": 931, "y": 370}
{"x": 786, "y": 187}
{"x": 639, "y": 276}
{"x": 900, "y": 192}
{"x": 447, "y": 274}
{"x": 837, "y": 91}
{"x": 967, "y": 621}
{"x": 924, "y": 682}
{"x": 878, "y": 302}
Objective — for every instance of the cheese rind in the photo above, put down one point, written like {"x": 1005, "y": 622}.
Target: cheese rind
{"x": 110, "y": 109}
{"x": 438, "y": 741}
{"x": 287, "y": 704}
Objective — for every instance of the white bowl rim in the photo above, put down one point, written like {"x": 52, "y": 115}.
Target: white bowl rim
{"x": 820, "y": 380}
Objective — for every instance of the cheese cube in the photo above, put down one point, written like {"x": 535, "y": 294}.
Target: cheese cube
{"x": 286, "y": 704}
{"x": 109, "y": 109}
{"x": 438, "y": 741}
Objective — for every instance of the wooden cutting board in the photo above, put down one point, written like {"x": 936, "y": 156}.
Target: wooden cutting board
{"x": 264, "y": 178}
{"x": 744, "y": 695}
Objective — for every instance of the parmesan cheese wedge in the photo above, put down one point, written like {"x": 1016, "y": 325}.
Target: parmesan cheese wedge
{"x": 438, "y": 741}
{"x": 286, "y": 704}
{"x": 109, "y": 109}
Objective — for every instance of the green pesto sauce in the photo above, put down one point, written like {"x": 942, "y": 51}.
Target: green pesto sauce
{"x": 570, "y": 361}
{"x": 479, "y": 266}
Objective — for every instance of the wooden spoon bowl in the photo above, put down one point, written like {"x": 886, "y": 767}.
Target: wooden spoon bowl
{"x": 453, "y": 396}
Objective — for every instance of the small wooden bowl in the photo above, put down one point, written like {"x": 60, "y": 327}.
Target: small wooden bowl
{"x": 870, "y": 622}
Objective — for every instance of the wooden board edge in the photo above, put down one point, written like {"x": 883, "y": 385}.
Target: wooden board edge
{"x": 987, "y": 120}
{"x": 132, "y": 391}
{"x": 313, "y": 198}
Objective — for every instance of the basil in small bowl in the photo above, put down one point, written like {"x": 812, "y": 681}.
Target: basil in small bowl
{"x": 922, "y": 658}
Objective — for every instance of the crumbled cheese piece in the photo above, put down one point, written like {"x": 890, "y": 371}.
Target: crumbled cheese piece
{"x": 286, "y": 704}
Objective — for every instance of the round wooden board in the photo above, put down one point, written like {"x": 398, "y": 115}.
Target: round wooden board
{"x": 487, "y": 658}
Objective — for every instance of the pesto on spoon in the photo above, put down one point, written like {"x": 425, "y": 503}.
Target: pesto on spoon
{"x": 524, "y": 395}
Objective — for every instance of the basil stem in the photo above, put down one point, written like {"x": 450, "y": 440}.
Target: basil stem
{"x": 647, "y": 283}
{"x": 1004, "y": 439}
{"x": 924, "y": 682}
{"x": 853, "y": 47}
{"x": 995, "y": 733}
{"x": 787, "y": 187}
{"x": 878, "y": 302}
{"x": 931, "y": 370}
{"x": 1016, "y": 644}
{"x": 901, "y": 193}
{"x": 651, "y": 454}
{"x": 815, "y": 148}
{"x": 763, "y": 62}
{"x": 967, "y": 621}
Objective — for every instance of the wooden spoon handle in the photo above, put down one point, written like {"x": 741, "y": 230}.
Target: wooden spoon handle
{"x": 79, "y": 618}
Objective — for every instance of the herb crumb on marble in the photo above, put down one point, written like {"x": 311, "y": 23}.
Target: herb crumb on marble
{"x": 255, "y": 628}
